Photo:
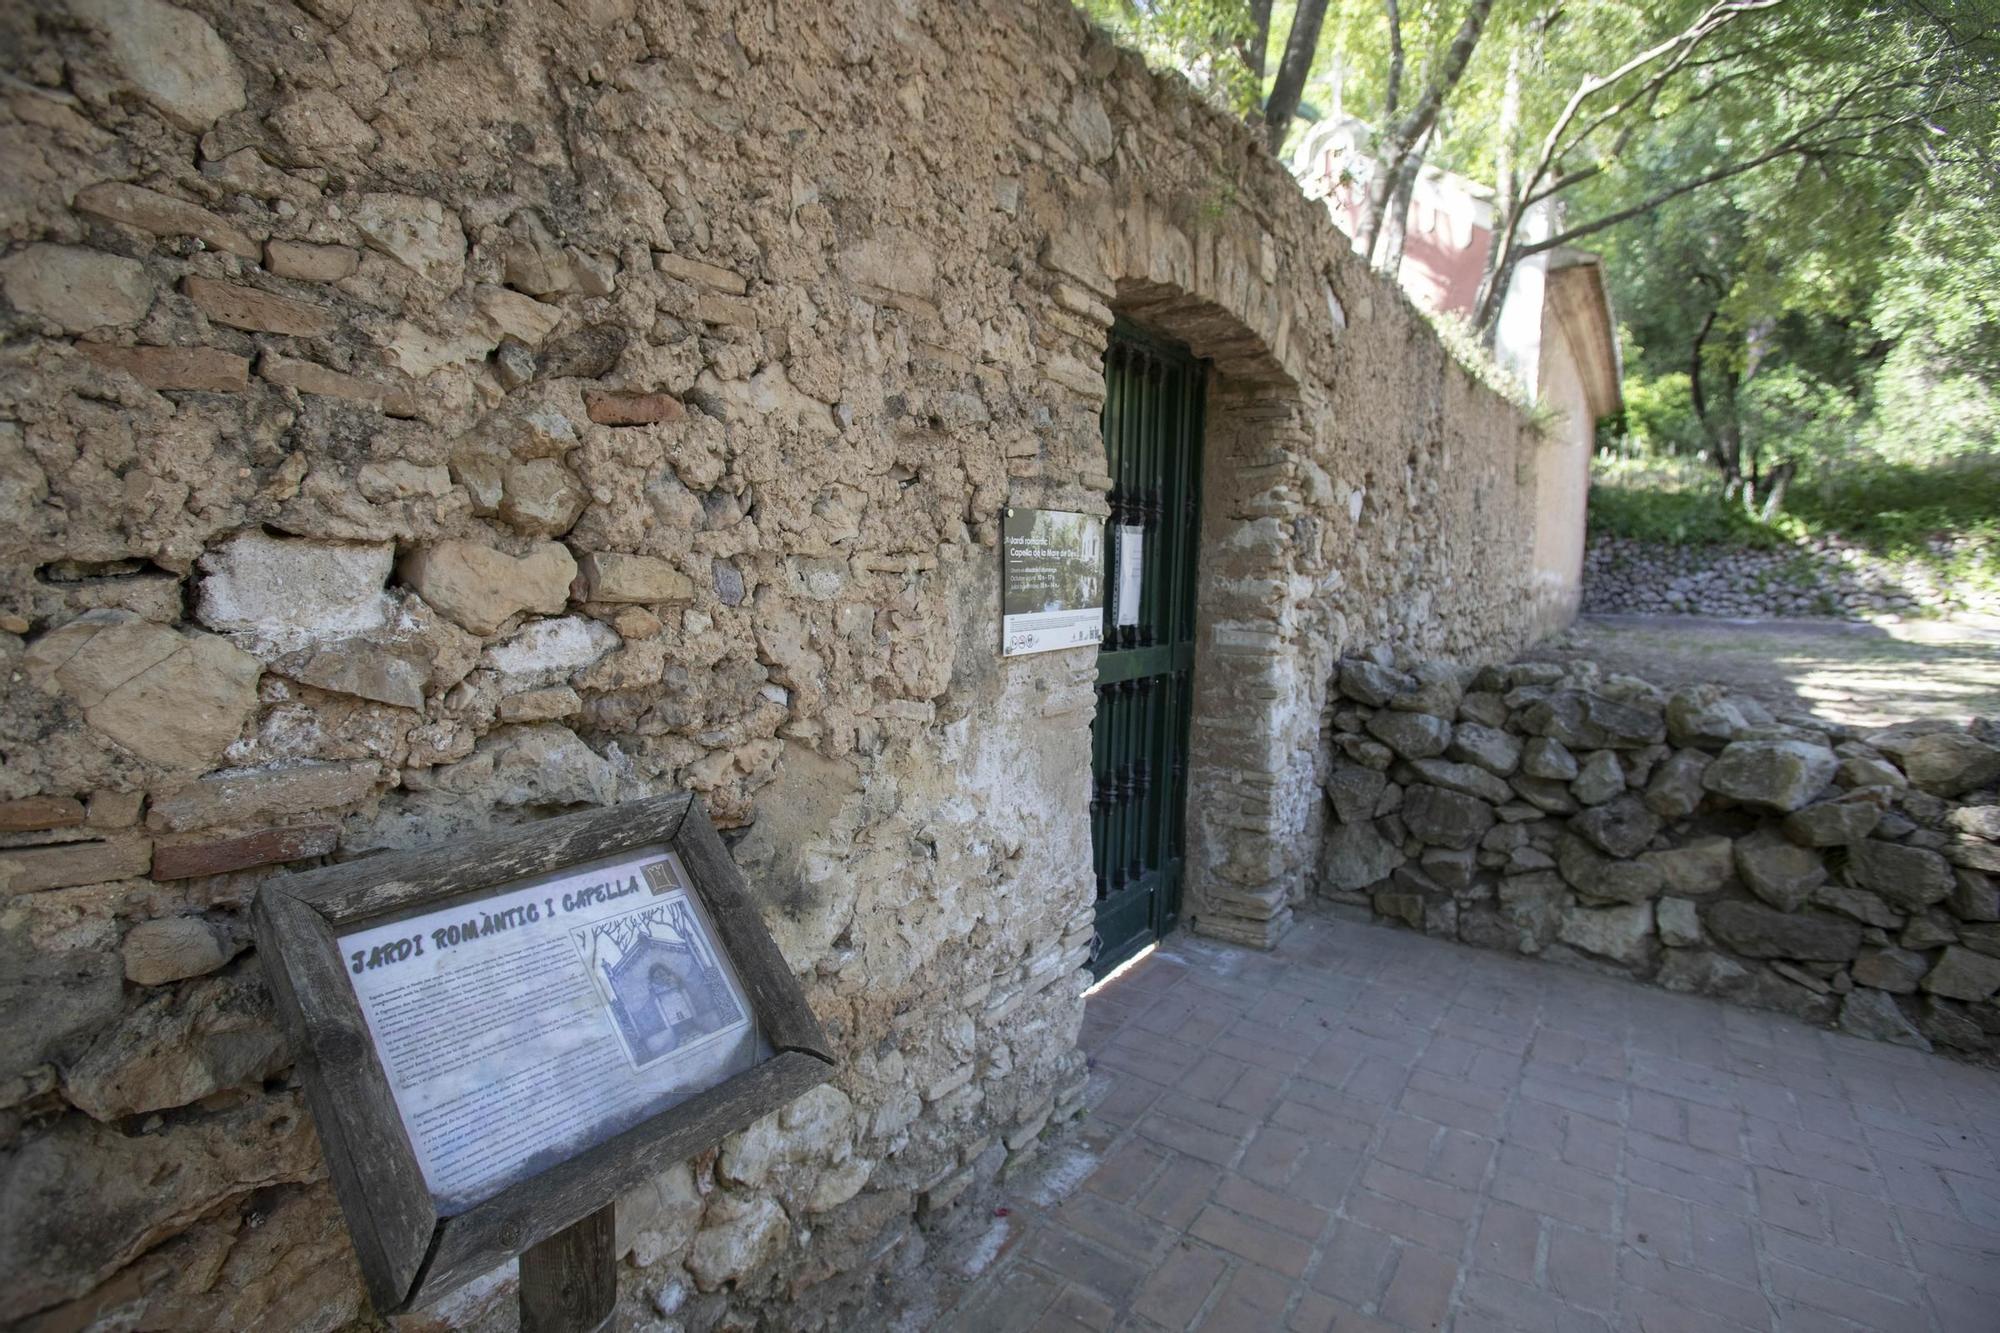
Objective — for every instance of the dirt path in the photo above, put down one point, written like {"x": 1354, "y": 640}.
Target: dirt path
{"x": 1857, "y": 674}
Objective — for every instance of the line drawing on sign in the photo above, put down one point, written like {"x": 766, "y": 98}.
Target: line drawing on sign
{"x": 664, "y": 992}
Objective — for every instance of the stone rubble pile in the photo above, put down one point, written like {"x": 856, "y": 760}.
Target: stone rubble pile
{"x": 1824, "y": 577}
{"x": 1690, "y": 839}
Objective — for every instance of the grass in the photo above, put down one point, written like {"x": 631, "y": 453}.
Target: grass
{"x": 1895, "y": 510}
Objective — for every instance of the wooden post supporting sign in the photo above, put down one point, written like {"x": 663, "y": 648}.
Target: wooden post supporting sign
{"x": 569, "y": 1282}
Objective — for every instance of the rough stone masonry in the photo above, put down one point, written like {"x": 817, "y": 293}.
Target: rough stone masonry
{"x": 1688, "y": 838}
{"x": 420, "y": 417}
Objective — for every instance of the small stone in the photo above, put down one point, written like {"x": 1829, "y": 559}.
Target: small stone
{"x": 393, "y": 396}
{"x": 1411, "y": 735}
{"x": 1907, "y": 877}
{"x": 1974, "y": 896}
{"x": 1621, "y": 827}
{"x": 1544, "y": 794}
{"x": 1356, "y": 856}
{"x": 1863, "y": 771}
{"x": 1778, "y": 870}
{"x": 242, "y": 307}
{"x": 1980, "y": 821}
{"x": 1544, "y": 758}
{"x": 1962, "y": 974}
{"x": 178, "y": 1047}
{"x": 1875, "y": 1015}
{"x": 1862, "y": 906}
{"x": 541, "y": 705}
{"x": 173, "y": 699}
{"x": 114, "y": 809}
{"x": 728, "y": 580}
{"x": 1600, "y": 778}
{"x": 479, "y": 587}
{"x": 1622, "y": 934}
{"x": 417, "y": 232}
{"x": 1466, "y": 779}
{"x": 1354, "y": 791}
{"x": 1493, "y": 750}
{"x": 163, "y": 215}
{"x": 1675, "y": 789}
{"x": 1435, "y": 688}
{"x": 1485, "y": 709}
{"x": 540, "y": 498}
{"x": 387, "y": 481}
{"x": 1444, "y": 818}
{"x": 1699, "y": 715}
{"x": 1407, "y": 908}
{"x": 611, "y": 576}
{"x": 76, "y": 289}
{"x": 1946, "y": 763}
{"x": 1930, "y": 928}
{"x": 171, "y": 949}
{"x": 1833, "y": 823}
{"x": 1371, "y": 683}
{"x": 66, "y": 864}
{"x": 1696, "y": 870}
{"x": 254, "y": 796}
{"x": 1894, "y": 970}
{"x": 1778, "y": 775}
{"x": 311, "y": 263}
{"x": 1760, "y": 932}
{"x": 1601, "y": 880}
{"x": 1701, "y": 972}
{"x": 1949, "y": 1024}
{"x": 30, "y": 814}
{"x": 741, "y": 1235}
{"x": 1679, "y": 923}
{"x": 632, "y": 409}
{"x": 197, "y": 369}
{"x": 318, "y": 124}
{"x": 185, "y": 858}
{"x": 172, "y": 56}
{"x": 291, "y": 589}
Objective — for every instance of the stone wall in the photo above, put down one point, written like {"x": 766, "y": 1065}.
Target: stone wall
{"x": 1818, "y": 577}
{"x": 417, "y": 418}
{"x": 1690, "y": 839}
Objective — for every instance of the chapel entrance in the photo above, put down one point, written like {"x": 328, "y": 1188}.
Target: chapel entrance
{"x": 1152, "y": 429}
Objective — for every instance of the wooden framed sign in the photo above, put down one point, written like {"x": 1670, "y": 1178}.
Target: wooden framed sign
{"x": 499, "y": 1038}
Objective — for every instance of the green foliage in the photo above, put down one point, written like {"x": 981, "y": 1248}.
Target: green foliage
{"x": 1899, "y": 510}
{"x": 1200, "y": 38}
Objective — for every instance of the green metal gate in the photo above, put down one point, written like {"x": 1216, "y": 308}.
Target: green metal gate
{"x": 1145, "y": 665}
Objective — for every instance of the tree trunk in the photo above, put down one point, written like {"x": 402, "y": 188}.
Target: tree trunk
{"x": 1300, "y": 47}
{"x": 1503, "y": 173}
{"x": 1259, "y": 41}
{"x": 1400, "y": 138}
{"x": 1396, "y": 223}
{"x": 1779, "y": 482}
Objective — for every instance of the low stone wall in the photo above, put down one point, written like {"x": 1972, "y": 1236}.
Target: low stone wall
{"x": 1689, "y": 839}
{"x": 1823, "y": 577}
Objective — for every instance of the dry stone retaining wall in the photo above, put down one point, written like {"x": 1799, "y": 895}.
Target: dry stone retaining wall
{"x": 1690, "y": 839}
{"x": 417, "y": 417}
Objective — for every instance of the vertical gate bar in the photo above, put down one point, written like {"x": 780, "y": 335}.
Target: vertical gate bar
{"x": 1107, "y": 433}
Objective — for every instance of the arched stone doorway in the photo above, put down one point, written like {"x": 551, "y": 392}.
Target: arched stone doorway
{"x": 1248, "y": 781}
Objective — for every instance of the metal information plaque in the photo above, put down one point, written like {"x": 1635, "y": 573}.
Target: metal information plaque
{"x": 1052, "y": 581}
{"x": 497, "y": 1040}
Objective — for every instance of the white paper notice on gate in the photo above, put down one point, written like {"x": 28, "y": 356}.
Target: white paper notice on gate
{"x": 524, "y": 1026}
{"x": 1131, "y": 573}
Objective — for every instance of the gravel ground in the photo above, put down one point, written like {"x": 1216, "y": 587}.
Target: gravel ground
{"x": 1858, "y": 674}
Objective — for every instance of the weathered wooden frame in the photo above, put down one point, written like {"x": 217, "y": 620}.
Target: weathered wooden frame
{"x": 409, "y": 1255}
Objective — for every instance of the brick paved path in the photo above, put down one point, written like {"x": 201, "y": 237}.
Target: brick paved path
{"x": 1372, "y": 1130}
